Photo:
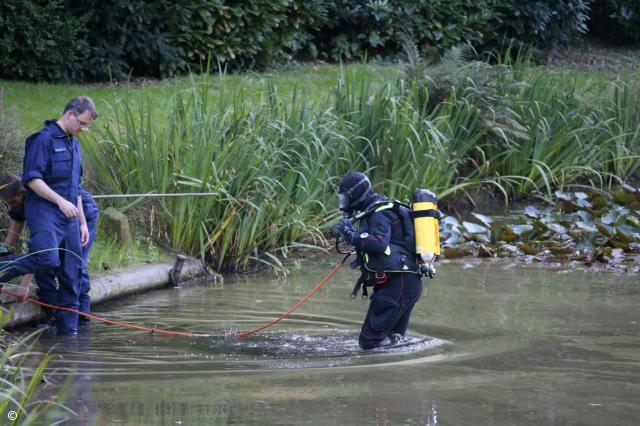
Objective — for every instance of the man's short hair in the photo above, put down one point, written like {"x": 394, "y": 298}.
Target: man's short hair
{"x": 80, "y": 104}
{"x": 10, "y": 187}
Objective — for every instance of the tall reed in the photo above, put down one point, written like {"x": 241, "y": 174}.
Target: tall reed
{"x": 274, "y": 162}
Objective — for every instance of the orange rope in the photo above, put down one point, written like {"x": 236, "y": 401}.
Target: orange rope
{"x": 297, "y": 305}
{"x": 186, "y": 334}
{"x": 108, "y": 321}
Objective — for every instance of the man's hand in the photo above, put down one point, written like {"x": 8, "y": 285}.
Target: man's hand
{"x": 84, "y": 234}
{"x": 345, "y": 228}
{"x": 22, "y": 292}
{"x": 67, "y": 208}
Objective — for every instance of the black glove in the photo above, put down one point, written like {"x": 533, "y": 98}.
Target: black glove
{"x": 345, "y": 228}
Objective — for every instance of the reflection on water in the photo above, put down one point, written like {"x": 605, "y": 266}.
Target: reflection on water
{"x": 487, "y": 344}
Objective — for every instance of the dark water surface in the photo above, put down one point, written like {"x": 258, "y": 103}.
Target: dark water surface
{"x": 488, "y": 345}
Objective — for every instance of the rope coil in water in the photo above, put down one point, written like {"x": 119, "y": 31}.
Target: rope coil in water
{"x": 187, "y": 334}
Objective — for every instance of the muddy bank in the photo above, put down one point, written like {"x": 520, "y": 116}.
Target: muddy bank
{"x": 108, "y": 287}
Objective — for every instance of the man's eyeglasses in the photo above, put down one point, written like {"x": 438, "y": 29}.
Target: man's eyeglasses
{"x": 82, "y": 124}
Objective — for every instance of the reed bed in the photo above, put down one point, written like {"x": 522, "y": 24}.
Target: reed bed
{"x": 275, "y": 161}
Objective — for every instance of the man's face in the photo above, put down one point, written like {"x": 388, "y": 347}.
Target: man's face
{"x": 79, "y": 122}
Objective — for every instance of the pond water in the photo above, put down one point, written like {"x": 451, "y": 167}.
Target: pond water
{"x": 489, "y": 344}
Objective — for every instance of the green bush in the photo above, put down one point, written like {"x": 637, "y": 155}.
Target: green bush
{"x": 543, "y": 23}
{"x": 249, "y": 33}
{"x": 618, "y": 19}
{"x": 363, "y": 27}
{"x": 130, "y": 36}
{"x": 40, "y": 40}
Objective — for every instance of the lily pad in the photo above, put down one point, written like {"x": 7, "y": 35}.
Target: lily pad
{"x": 589, "y": 227}
{"x": 528, "y": 249}
{"x": 585, "y": 216}
{"x": 455, "y": 252}
{"x": 581, "y": 195}
{"x": 532, "y": 212}
{"x": 507, "y": 234}
{"x": 522, "y": 229}
{"x": 563, "y": 195}
{"x": 449, "y": 221}
{"x": 486, "y": 220}
{"x": 604, "y": 229}
{"x": 455, "y": 238}
{"x": 559, "y": 229}
{"x": 583, "y": 203}
{"x": 474, "y": 228}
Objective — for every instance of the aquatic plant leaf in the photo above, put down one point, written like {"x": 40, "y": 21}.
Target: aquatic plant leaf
{"x": 563, "y": 195}
{"x": 528, "y": 249}
{"x": 450, "y": 221}
{"x": 455, "y": 238}
{"x": 589, "y": 227}
{"x": 585, "y": 216}
{"x": 538, "y": 225}
{"x": 624, "y": 198}
{"x": 613, "y": 216}
{"x": 507, "y": 234}
{"x": 532, "y": 212}
{"x": 632, "y": 221}
{"x": 557, "y": 228}
{"x": 581, "y": 195}
{"x": 522, "y": 229}
{"x": 455, "y": 252}
{"x": 474, "y": 228}
{"x": 583, "y": 203}
{"x": 623, "y": 236}
{"x": 486, "y": 220}
{"x": 557, "y": 249}
{"x": 604, "y": 229}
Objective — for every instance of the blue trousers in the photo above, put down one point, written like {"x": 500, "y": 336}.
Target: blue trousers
{"x": 46, "y": 279}
{"x": 390, "y": 309}
{"x": 54, "y": 244}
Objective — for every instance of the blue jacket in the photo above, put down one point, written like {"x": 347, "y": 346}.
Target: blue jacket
{"x": 54, "y": 157}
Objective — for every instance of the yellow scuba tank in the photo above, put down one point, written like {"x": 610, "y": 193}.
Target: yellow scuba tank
{"x": 426, "y": 219}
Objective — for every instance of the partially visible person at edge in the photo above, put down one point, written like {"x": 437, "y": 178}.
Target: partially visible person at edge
{"x": 13, "y": 193}
{"x": 386, "y": 254}
{"x": 53, "y": 208}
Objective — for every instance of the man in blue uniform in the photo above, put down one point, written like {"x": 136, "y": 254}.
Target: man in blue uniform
{"x": 53, "y": 207}
{"x": 385, "y": 245}
{"x": 13, "y": 193}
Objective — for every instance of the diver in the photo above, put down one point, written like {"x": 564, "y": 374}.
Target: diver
{"x": 385, "y": 244}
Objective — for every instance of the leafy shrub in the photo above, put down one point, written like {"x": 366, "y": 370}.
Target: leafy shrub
{"x": 368, "y": 27}
{"x": 130, "y": 36}
{"x": 40, "y": 40}
{"x": 543, "y": 23}
{"x": 619, "y": 19}
{"x": 249, "y": 33}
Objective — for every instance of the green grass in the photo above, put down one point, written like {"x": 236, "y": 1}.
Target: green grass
{"x": 36, "y": 102}
{"x": 108, "y": 255}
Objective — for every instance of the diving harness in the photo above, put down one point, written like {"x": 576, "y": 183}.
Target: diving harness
{"x": 426, "y": 216}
